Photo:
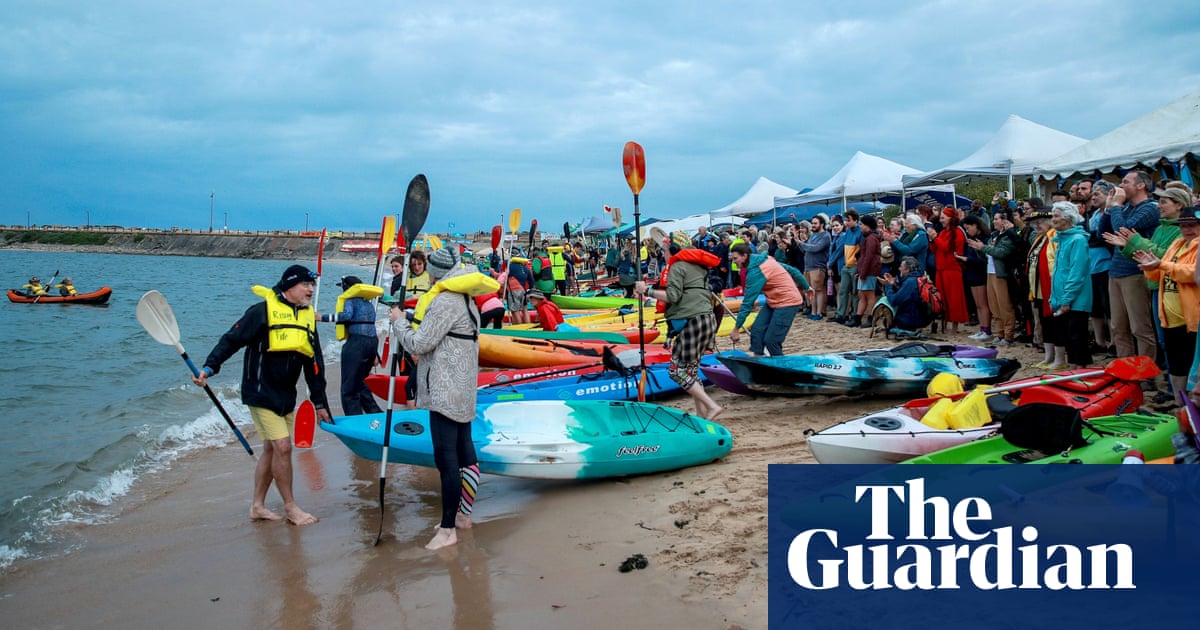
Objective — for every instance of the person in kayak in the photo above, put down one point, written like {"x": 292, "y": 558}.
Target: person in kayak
{"x": 548, "y": 313}
{"x": 355, "y": 321}
{"x": 279, "y": 334}
{"x": 66, "y": 287}
{"x": 445, "y": 342}
{"x": 34, "y": 288}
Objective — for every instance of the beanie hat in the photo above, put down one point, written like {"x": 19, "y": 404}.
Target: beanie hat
{"x": 949, "y": 212}
{"x": 294, "y": 275}
{"x": 349, "y": 281}
{"x": 680, "y": 239}
{"x": 441, "y": 261}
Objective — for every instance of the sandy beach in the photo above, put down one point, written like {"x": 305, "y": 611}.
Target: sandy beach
{"x": 181, "y": 551}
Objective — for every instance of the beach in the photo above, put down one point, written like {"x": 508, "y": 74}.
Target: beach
{"x": 182, "y": 552}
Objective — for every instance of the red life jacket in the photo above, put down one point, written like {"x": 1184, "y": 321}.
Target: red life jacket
{"x": 701, "y": 257}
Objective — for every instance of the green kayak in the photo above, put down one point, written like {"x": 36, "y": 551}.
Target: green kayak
{"x": 610, "y": 337}
{"x": 1148, "y": 433}
{"x": 597, "y": 302}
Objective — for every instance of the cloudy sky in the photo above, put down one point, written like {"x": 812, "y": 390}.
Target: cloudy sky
{"x": 132, "y": 112}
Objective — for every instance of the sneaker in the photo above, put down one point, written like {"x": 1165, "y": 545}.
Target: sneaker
{"x": 1004, "y": 343}
{"x": 984, "y": 340}
{"x": 815, "y": 317}
{"x": 978, "y": 335}
{"x": 837, "y": 320}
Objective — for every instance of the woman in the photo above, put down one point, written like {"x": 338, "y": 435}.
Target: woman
{"x": 1178, "y": 296}
{"x": 1071, "y": 286}
{"x": 419, "y": 281}
{"x": 1040, "y": 265}
{"x": 837, "y": 259}
{"x": 627, "y": 269}
{"x": 870, "y": 269}
{"x": 975, "y": 275}
{"x": 912, "y": 242}
{"x": 999, "y": 249}
{"x": 947, "y": 246}
{"x": 816, "y": 261}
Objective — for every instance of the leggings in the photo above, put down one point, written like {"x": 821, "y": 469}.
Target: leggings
{"x": 452, "y": 450}
{"x": 495, "y": 317}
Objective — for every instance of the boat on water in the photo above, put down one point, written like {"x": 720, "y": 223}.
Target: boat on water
{"x": 99, "y": 296}
{"x": 552, "y": 439}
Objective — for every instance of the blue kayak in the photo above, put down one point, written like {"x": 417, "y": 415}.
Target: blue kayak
{"x": 607, "y": 385}
{"x": 552, "y": 439}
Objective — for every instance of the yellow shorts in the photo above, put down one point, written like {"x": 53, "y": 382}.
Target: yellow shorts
{"x": 270, "y": 425}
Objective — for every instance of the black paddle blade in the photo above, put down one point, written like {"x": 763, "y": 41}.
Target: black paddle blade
{"x": 611, "y": 362}
{"x": 416, "y": 208}
{"x": 566, "y": 230}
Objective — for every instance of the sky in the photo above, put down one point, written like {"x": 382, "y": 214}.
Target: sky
{"x": 310, "y": 114}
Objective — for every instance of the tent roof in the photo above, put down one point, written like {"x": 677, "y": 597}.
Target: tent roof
{"x": 692, "y": 223}
{"x": 864, "y": 176}
{"x": 1016, "y": 148}
{"x": 759, "y": 198}
{"x": 1171, "y": 131}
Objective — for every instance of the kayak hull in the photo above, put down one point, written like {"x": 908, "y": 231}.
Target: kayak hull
{"x": 99, "y": 296}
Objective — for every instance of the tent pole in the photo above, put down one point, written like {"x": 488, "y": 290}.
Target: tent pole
{"x": 954, "y": 196}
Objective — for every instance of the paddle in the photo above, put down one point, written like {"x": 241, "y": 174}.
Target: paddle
{"x": 633, "y": 159}
{"x": 306, "y": 424}
{"x": 497, "y": 234}
{"x": 514, "y": 227}
{"x": 158, "y": 319}
{"x": 532, "y": 232}
{"x": 46, "y": 287}
{"x": 435, "y": 242}
{"x": 1135, "y": 368}
{"x": 320, "y": 256}
{"x": 416, "y": 209}
{"x": 386, "y": 234}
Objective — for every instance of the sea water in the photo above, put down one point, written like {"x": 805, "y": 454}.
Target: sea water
{"x": 91, "y": 403}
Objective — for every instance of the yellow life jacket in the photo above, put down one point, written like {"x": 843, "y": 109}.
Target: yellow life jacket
{"x": 34, "y": 289}
{"x": 558, "y": 264}
{"x": 289, "y": 329}
{"x": 468, "y": 284}
{"x": 365, "y": 291}
{"x": 66, "y": 289}
{"x": 418, "y": 285}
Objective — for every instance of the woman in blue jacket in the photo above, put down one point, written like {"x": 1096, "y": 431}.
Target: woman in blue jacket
{"x": 1071, "y": 284}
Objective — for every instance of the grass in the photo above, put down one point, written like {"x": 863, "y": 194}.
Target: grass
{"x": 56, "y": 238}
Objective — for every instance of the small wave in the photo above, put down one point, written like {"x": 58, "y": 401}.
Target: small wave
{"x": 8, "y": 555}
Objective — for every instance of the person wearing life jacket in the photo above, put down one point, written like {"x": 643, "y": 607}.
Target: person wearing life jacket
{"x": 517, "y": 283}
{"x": 279, "y": 334}
{"x": 355, "y": 319}
{"x": 66, "y": 287}
{"x": 444, "y": 338}
{"x": 491, "y": 310}
{"x": 419, "y": 279}
{"x": 558, "y": 267}
{"x": 34, "y": 288}
{"x": 543, "y": 272}
{"x": 690, "y": 320}
{"x": 782, "y": 285}
{"x": 549, "y": 315}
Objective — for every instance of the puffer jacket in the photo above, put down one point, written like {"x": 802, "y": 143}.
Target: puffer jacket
{"x": 447, "y": 366}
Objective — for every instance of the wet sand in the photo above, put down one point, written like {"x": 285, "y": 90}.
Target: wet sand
{"x": 545, "y": 554}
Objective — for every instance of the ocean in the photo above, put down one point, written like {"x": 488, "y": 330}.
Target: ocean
{"x": 93, "y": 404}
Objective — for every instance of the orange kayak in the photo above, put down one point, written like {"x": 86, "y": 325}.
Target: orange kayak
{"x": 513, "y": 352}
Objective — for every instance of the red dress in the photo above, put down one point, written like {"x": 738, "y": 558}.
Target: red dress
{"x": 949, "y": 278}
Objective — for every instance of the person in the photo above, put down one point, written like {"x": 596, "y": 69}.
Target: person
{"x": 627, "y": 269}
{"x": 66, "y": 287}
{"x": 1071, "y": 286}
{"x": 516, "y": 284}
{"x": 1000, "y": 249}
{"x": 870, "y": 265}
{"x": 280, "y": 338}
{"x": 419, "y": 281}
{"x": 837, "y": 259}
{"x": 543, "y": 271}
{"x": 947, "y": 246}
{"x": 1130, "y": 206}
{"x": 355, "y": 319}
{"x": 445, "y": 342}
{"x": 848, "y": 286}
{"x": 558, "y": 255}
{"x": 548, "y": 314}
{"x": 1178, "y": 296}
{"x": 816, "y": 264}
{"x": 781, "y": 284}
{"x": 912, "y": 242}
{"x": 1101, "y": 253}
{"x": 975, "y": 275}
{"x": 612, "y": 256}
{"x": 34, "y": 288}
{"x": 691, "y": 319}
{"x": 491, "y": 310}
{"x": 904, "y": 294}
{"x": 1040, "y": 268}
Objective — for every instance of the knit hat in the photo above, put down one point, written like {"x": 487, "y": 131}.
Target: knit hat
{"x": 441, "y": 261}
{"x": 294, "y": 275}
{"x": 349, "y": 281}
{"x": 535, "y": 294}
{"x": 681, "y": 240}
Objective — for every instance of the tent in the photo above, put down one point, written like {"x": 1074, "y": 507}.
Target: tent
{"x": 806, "y": 213}
{"x": 864, "y": 178}
{"x": 596, "y": 224}
{"x": 1171, "y": 132}
{"x": 691, "y": 224}
{"x": 760, "y": 198}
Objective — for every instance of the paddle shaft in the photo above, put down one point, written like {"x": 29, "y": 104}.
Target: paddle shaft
{"x": 48, "y": 285}
{"x": 317, "y": 291}
{"x": 213, "y": 397}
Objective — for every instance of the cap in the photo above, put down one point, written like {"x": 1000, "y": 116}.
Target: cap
{"x": 681, "y": 240}
{"x": 441, "y": 261}
{"x": 1187, "y": 216}
{"x": 1039, "y": 213}
{"x": 1178, "y": 195}
{"x": 349, "y": 281}
{"x": 294, "y": 275}
{"x": 535, "y": 294}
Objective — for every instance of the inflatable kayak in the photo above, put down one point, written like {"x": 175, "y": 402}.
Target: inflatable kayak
{"x": 896, "y": 434}
{"x": 552, "y": 439}
{"x": 99, "y": 296}
{"x": 1148, "y": 433}
{"x": 901, "y": 371}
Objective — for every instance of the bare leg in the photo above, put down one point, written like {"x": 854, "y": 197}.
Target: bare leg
{"x": 262, "y": 483}
{"x": 445, "y": 537}
{"x": 281, "y": 472}
{"x": 706, "y": 407}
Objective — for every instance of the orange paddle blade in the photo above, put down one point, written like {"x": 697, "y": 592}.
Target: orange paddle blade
{"x": 1135, "y": 368}
{"x": 634, "y": 161}
{"x": 306, "y": 424}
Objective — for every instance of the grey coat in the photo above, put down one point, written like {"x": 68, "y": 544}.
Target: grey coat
{"x": 447, "y": 366}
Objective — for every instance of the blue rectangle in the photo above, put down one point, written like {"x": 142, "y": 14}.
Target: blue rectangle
{"x": 1062, "y": 546}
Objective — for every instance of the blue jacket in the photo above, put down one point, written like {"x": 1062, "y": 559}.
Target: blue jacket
{"x": 359, "y": 317}
{"x": 816, "y": 251}
{"x": 837, "y": 255}
{"x": 1142, "y": 218}
{"x": 905, "y": 297}
{"x": 1071, "y": 282}
{"x": 916, "y": 246}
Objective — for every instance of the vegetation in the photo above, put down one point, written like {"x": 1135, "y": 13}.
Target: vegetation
{"x": 56, "y": 238}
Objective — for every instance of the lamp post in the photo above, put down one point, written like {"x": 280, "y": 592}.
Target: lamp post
{"x": 305, "y": 221}
{"x": 212, "y": 200}
{"x": 226, "y": 222}
{"x": 89, "y": 219}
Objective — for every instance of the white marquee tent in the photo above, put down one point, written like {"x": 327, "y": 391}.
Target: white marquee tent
{"x": 1171, "y": 132}
{"x": 759, "y": 199}
{"x": 865, "y": 176}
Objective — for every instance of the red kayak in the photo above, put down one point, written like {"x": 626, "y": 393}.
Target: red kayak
{"x": 99, "y": 296}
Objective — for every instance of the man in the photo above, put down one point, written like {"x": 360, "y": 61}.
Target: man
{"x": 355, "y": 321}
{"x": 548, "y": 313}
{"x": 904, "y": 294}
{"x": 1101, "y": 259}
{"x": 718, "y": 277}
{"x": 847, "y": 301}
{"x": 543, "y": 271}
{"x": 704, "y": 240}
{"x": 446, "y": 346}
{"x": 280, "y": 337}
{"x": 517, "y": 283}
{"x": 1130, "y": 209}
{"x": 781, "y": 284}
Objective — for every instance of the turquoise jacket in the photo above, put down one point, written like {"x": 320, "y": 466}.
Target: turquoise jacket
{"x": 1071, "y": 283}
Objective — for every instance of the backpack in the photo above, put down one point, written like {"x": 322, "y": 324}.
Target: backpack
{"x": 1046, "y": 427}
{"x": 931, "y": 297}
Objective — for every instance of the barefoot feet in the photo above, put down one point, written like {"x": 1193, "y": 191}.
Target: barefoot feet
{"x": 296, "y": 516}
{"x": 445, "y": 537}
{"x": 260, "y": 513}
{"x": 462, "y": 521}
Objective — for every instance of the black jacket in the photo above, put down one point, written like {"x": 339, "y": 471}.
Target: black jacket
{"x": 269, "y": 378}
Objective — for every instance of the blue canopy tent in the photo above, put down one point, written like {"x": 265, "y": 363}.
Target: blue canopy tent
{"x": 626, "y": 232}
{"x": 795, "y": 214}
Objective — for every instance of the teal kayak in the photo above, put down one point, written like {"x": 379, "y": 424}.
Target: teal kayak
{"x": 1148, "y": 433}
{"x": 598, "y": 302}
{"x": 552, "y": 439}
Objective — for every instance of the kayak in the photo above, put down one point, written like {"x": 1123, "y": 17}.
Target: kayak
{"x": 511, "y": 352}
{"x": 901, "y": 371}
{"x": 723, "y": 330}
{"x": 1148, "y": 433}
{"x": 598, "y": 385}
{"x": 552, "y": 439}
{"x": 896, "y": 434}
{"x": 599, "y": 335}
{"x": 99, "y": 296}
{"x": 609, "y": 316}
{"x": 594, "y": 302}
